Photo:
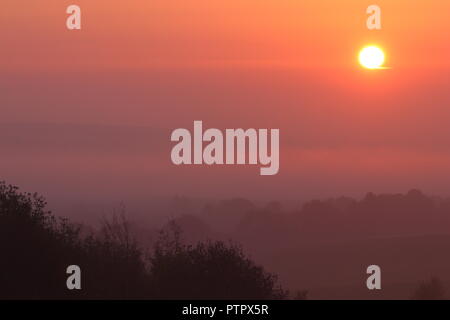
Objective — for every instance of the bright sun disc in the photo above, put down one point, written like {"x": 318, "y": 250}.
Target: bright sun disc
{"x": 371, "y": 57}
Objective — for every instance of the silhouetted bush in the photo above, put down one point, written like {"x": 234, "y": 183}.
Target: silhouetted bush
{"x": 36, "y": 248}
{"x": 32, "y": 246}
{"x": 207, "y": 270}
{"x": 431, "y": 290}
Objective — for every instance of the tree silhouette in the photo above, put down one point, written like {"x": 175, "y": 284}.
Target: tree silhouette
{"x": 207, "y": 270}
{"x": 301, "y": 295}
{"x": 36, "y": 248}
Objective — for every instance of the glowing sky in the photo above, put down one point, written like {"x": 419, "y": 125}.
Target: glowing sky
{"x": 92, "y": 110}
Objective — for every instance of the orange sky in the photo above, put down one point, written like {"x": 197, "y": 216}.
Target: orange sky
{"x": 76, "y": 105}
{"x": 139, "y": 34}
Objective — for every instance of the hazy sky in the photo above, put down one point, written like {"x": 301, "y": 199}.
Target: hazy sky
{"x": 89, "y": 113}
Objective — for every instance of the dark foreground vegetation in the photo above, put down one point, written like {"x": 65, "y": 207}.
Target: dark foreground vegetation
{"x": 36, "y": 248}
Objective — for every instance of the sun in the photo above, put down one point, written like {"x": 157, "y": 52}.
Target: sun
{"x": 371, "y": 57}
